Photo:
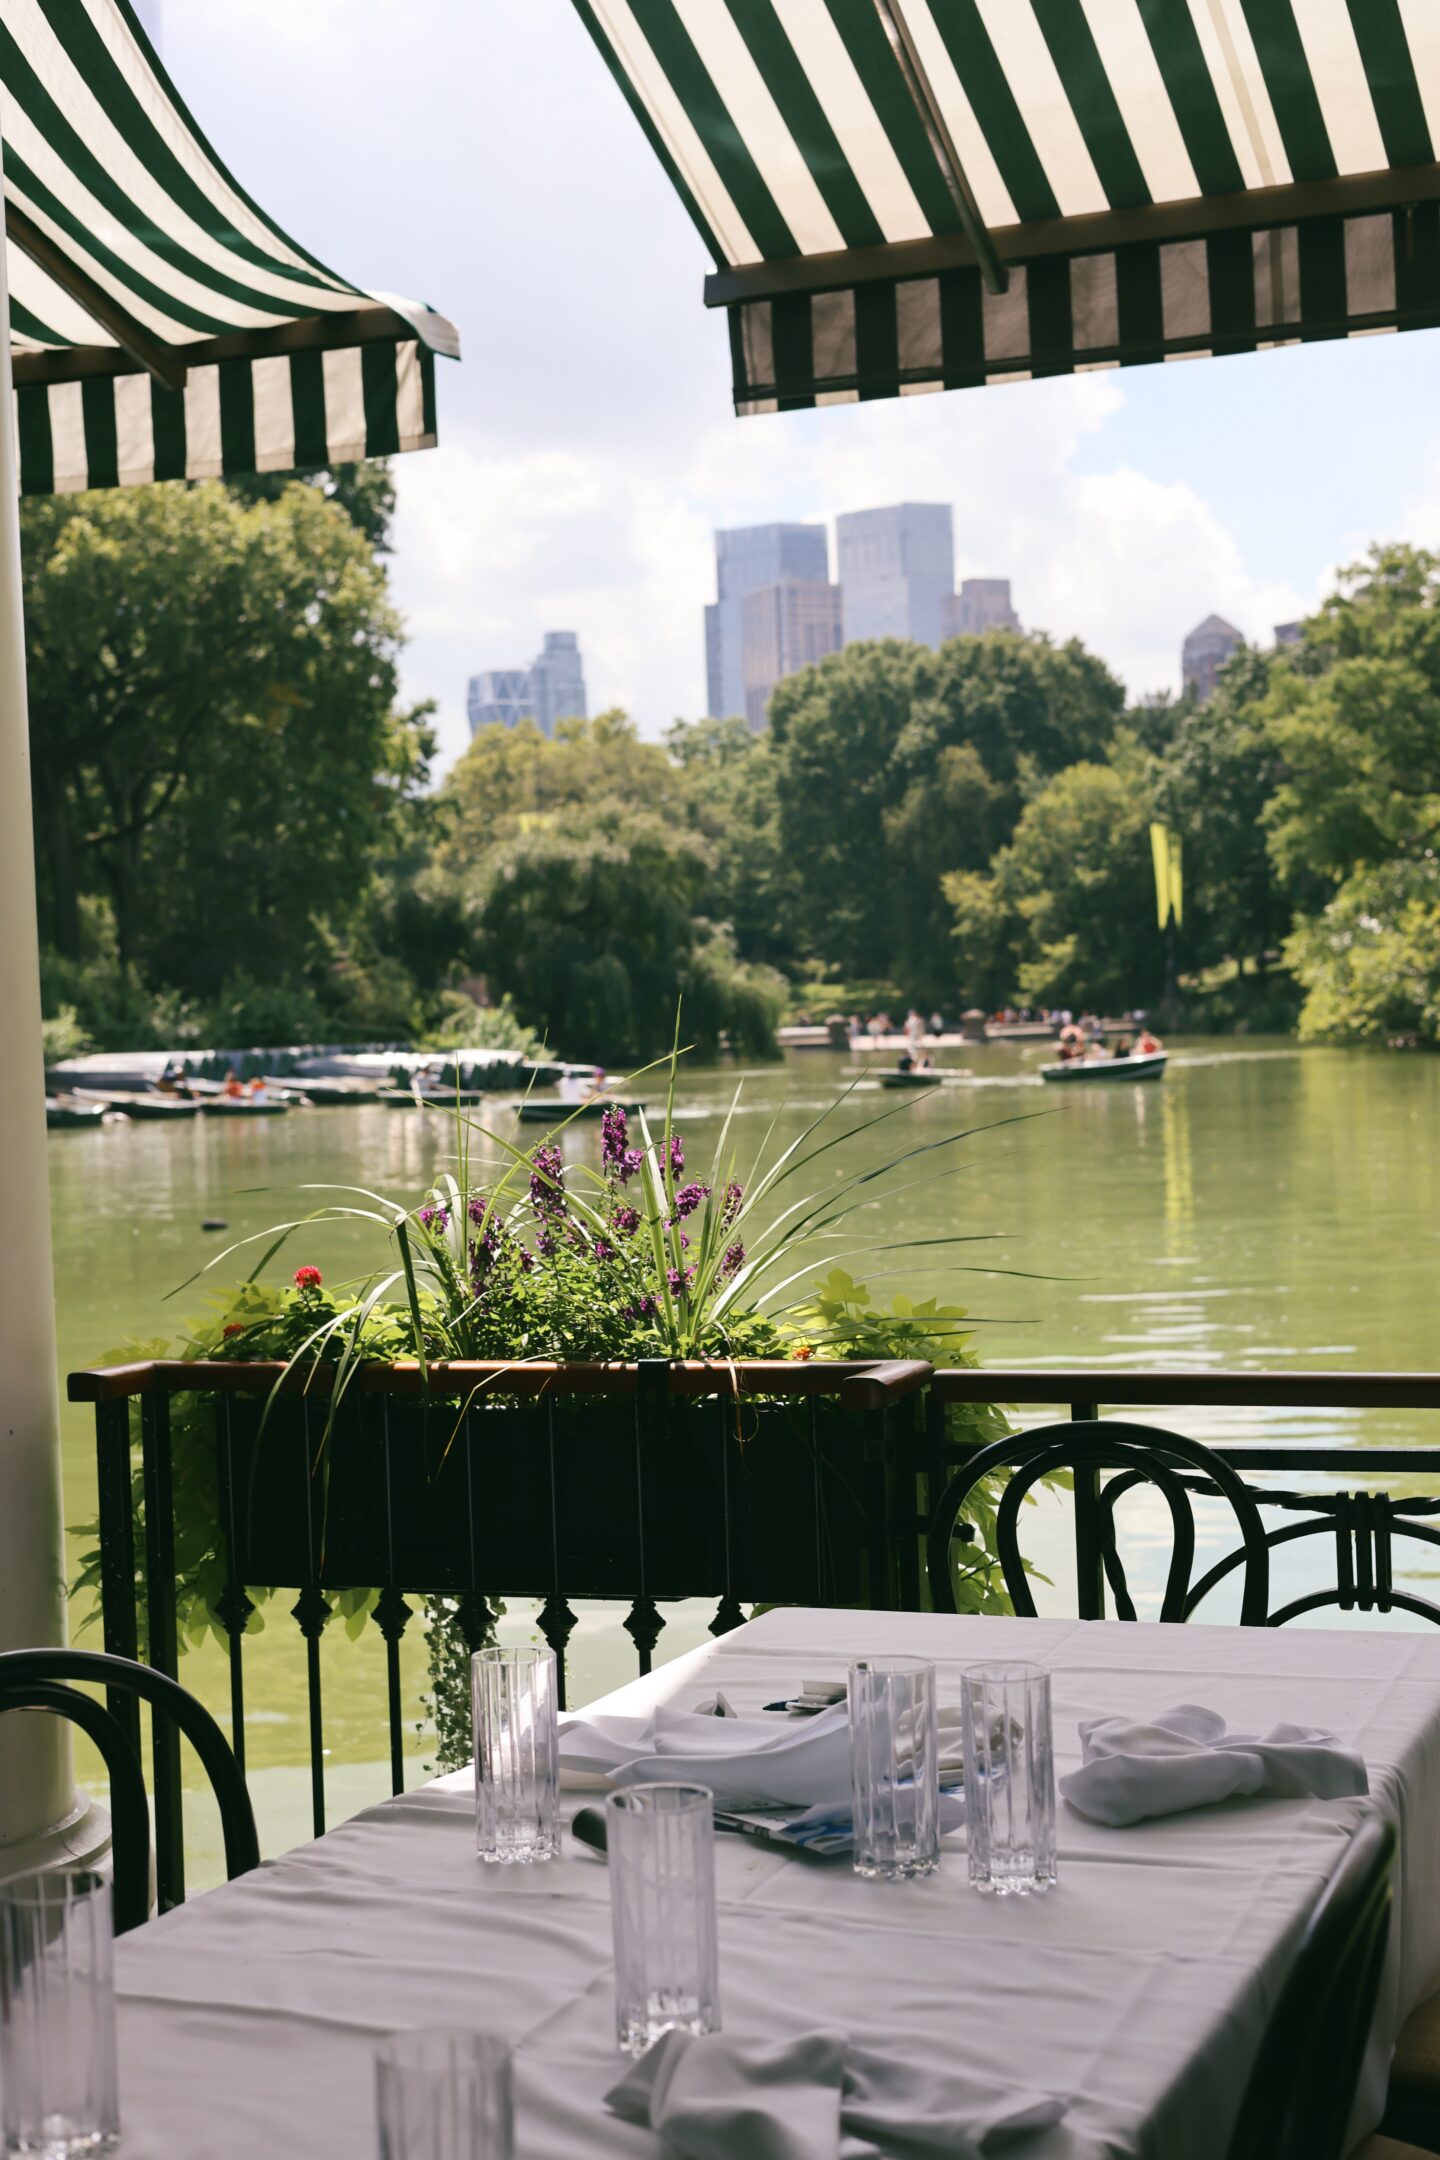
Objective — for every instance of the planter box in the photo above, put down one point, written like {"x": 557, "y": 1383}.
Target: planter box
{"x": 796, "y": 1501}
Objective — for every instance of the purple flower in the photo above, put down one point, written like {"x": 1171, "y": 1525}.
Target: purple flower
{"x": 614, "y": 1132}
{"x": 630, "y": 1162}
{"x": 604, "y": 1251}
{"x": 545, "y": 1243}
{"x": 547, "y": 1182}
{"x": 479, "y": 1208}
{"x": 679, "y": 1283}
{"x": 527, "y": 1259}
{"x": 677, "y": 1155}
{"x": 626, "y": 1221}
{"x": 435, "y": 1218}
{"x": 687, "y": 1200}
{"x": 734, "y": 1194}
{"x": 734, "y": 1259}
{"x": 644, "y": 1309}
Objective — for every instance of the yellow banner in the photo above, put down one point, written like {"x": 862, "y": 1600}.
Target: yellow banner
{"x": 1169, "y": 885}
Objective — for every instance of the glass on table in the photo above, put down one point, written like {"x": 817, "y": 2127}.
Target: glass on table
{"x": 661, "y": 1844}
{"x": 894, "y": 1767}
{"x": 57, "y": 2014}
{"x": 442, "y": 2094}
{"x": 517, "y": 1754}
{"x": 1009, "y": 1778}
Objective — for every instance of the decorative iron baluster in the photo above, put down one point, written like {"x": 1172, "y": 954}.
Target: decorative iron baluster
{"x": 557, "y": 1622}
{"x": 161, "y": 1646}
{"x": 643, "y": 1623}
{"x": 117, "y": 1553}
{"x": 310, "y": 1612}
{"x": 728, "y": 1613}
{"x": 233, "y": 1606}
{"x": 392, "y": 1616}
{"x": 1089, "y": 1539}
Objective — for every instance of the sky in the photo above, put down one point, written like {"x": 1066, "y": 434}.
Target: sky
{"x": 477, "y": 154}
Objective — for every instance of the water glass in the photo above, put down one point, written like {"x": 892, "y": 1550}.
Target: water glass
{"x": 661, "y": 1844}
{"x": 517, "y": 1754}
{"x": 1009, "y": 1778}
{"x": 444, "y": 2095}
{"x": 57, "y": 2014}
{"x": 894, "y": 1767}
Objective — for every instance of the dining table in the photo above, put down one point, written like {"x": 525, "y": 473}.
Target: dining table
{"x": 1135, "y": 1992}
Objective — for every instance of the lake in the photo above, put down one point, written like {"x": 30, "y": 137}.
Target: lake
{"x": 1262, "y": 1206}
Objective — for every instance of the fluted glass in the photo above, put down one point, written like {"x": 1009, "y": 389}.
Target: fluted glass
{"x": 661, "y": 1843}
{"x": 1009, "y": 1778}
{"x": 442, "y": 2094}
{"x": 517, "y": 1754}
{"x": 894, "y": 1767}
{"x": 57, "y": 2015}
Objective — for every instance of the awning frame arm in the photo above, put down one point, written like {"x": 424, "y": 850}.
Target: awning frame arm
{"x": 151, "y": 353}
{"x": 942, "y": 143}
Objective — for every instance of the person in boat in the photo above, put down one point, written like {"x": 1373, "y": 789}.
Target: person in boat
{"x": 259, "y": 1089}
{"x": 234, "y": 1089}
{"x": 1073, "y": 1042}
{"x": 1122, "y": 1048}
{"x": 1149, "y": 1045}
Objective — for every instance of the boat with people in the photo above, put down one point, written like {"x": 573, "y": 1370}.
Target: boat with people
{"x": 140, "y": 1103}
{"x": 924, "y": 1076}
{"x": 1144, "y": 1066}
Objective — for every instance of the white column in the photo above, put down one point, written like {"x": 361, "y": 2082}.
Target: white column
{"x": 40, "y": 1816}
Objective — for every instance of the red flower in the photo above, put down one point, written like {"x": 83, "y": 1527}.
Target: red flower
{"x": 234, "y": 1327}
{"x": 308, "y": 1278}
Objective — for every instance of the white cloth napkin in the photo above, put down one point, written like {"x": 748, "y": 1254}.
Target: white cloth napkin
{"x": 1185, "y": 1758}
{"x": 748, "y": 1762}
{"x": 817, "y": 2098}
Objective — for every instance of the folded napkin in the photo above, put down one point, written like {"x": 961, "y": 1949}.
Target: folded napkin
{"x": 748, "y": 1762}
{"x": 817, "y": 2098}
{"x": 1185, "y": 1758}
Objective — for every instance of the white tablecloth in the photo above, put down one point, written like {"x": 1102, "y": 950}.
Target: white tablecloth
{"x": 1137, "y": 1989}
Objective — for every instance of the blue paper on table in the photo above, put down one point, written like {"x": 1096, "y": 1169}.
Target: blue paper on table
{"x": 828, "y": 1830}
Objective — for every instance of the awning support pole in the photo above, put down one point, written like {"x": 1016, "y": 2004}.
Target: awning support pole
{"x": 41, "y": 1819}
{"x": 947, "y": 157}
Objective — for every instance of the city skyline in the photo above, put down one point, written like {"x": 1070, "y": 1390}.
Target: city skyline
{"x": 552, "y": 688}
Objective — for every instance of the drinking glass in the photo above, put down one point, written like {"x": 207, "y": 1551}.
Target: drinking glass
{"x": 894, "y": 1767}
{"x": 57, "y": 2014}
{"x": 1009, "y": 1778}
{"x": 441, "y": 2094}
{"x": 661, "y": 1843}
{"x": 517, "y": 1754}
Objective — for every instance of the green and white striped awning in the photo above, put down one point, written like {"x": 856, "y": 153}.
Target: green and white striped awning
{"x": 162, "y": 327}
{"x": 911, "y": 195}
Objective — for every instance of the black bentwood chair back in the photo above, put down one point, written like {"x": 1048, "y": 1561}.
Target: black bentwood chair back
{"x": 1140, "y": 1455}
{"x": 1300, "y": 2093}
{"x": 35, "y": 1680}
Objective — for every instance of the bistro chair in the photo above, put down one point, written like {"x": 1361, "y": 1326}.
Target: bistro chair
{"x": 1140, "y": 1455}
{"x": 1301, "y": 2090}
{"x": 1412, "y": 2109}
{"x": 36, "y": 1680}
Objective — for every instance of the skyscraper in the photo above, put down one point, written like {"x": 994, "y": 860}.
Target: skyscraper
{"x": 1205, "y": 652}
{"x": 785, "y": 626}
{"x": 557, "y": 680}
{"x": 552, "y": 688}
{"x": 746, "y": 558}
{"x": 896, "y": 569}
{"x": 982, "y": 603}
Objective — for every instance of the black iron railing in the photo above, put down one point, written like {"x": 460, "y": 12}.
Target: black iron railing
{"x": 803, "y": 1483}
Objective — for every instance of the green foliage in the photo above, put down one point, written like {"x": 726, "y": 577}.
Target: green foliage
{"x": 63, "y": 1035}
{"x": 839, "y": 1320}
{"x": 1370, "y": 960}
{"x": 463, "y": 1024}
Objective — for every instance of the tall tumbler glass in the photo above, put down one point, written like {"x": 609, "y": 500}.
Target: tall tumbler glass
{"x": 1009, "y": 1778}
{"x": 894, "y": 1767}
{"x": 441, "y": 2094}
{"x": 661, "y": 1844}
{"x": 517, "y": 1754}
{"x": 57, "y": 2014}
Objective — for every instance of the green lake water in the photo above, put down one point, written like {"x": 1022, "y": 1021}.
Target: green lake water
{"x": 1262, "y": 1206}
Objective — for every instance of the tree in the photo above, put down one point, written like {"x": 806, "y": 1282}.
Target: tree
{"x": 590, "y": 929}
{"x": 727, "y": 783}
{"x": 1071, "y": 894}
{"x": 214, "y": 738}
{"x": 1370, "y": 959}
{"x": 512, "y": 780}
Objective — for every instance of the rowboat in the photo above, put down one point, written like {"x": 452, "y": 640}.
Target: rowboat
{"x": 1110, "y": 1068}
{"x": 911, "y": 1079}
{"x": 137, "y": 1103}
{"x": 241, "y": 1106}
{"x": 534, "y": 1112}
{"x": 62, "y": 1111}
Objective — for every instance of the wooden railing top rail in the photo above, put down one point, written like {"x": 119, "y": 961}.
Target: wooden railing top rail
{"x": 859, "y": 1384}
{"x": 1194, "y": 1390}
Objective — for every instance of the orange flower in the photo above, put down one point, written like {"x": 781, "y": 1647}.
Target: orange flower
{"x": 803, "y": 1350}
{"x": 234, "y": 1327}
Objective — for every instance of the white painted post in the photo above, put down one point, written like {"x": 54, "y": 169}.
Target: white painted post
{"x": 41, "y": 1818}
